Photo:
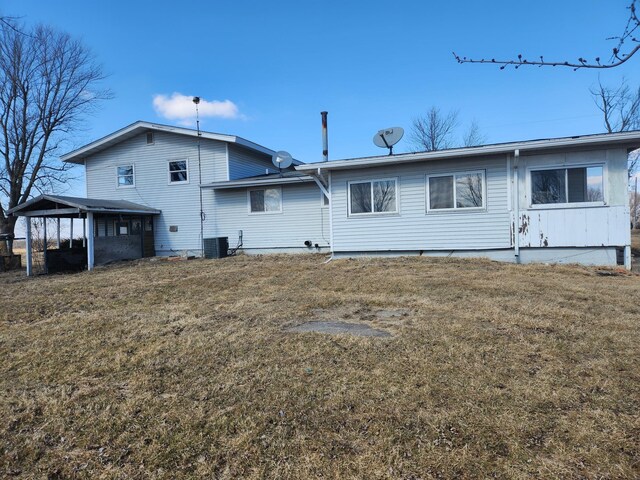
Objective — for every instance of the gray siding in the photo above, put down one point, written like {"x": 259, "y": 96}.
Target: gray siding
{"x": 247, "y": 163}
{"x": 412, "y": 228}
{"x": 179, "y": 203}
{"x": 302, "y": 218}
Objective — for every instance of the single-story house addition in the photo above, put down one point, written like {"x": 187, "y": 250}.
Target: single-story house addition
{"x": 554, "y": 200}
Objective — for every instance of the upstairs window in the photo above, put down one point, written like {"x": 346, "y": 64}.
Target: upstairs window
{"x": 125, "y": 176}
{"x": 567, "y": 185}
{"x": 375, "y": 196}
{"x": 265, "y": 200}
{"x": 150, "y": 138}
{"x": 459, "y": 191}
{"x": 178, "y": 171}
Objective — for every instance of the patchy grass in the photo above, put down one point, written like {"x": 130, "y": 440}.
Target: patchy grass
{"x": 184, "y": 369}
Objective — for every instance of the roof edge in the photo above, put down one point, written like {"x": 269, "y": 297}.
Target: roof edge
{"x": 623, "y": 138}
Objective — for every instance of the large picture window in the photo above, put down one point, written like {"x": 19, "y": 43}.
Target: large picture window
{"x": 567, "y": 185}
{"x": 178, "y": 171}
{"x": 457, "y": 191}
{"x": 126, "y": 176}
{"x": 375, "y": 196}
{"x": 265, "y": 200}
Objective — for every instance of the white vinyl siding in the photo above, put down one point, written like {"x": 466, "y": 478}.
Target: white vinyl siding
{"x": 302, "y": 219}
{"x": 412, "y": 229}
{"x": 248, "y": 163}
{"x": 152, "y": 188}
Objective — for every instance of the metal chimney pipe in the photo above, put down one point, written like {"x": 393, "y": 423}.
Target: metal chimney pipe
{"x": 325, "y": 138}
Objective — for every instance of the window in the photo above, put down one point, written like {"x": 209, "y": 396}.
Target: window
{"x": 265, "y": 200}
{"x": 149, "y": 138}
{"x": 456, "y": 192}
{"x": 121, "y": 227}
{"x": 178, "y": 171}
{"x": 376, "y": 196}
{"x": 125, "y": 176}
{"x": 567, "y": 185}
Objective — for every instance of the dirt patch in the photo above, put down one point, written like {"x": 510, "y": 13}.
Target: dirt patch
{"x": 335, "y": 328}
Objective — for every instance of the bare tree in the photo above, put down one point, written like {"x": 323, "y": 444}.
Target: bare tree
{"x": 620, "y": 109}
{"x": 628, "y": 41}
{"x": 434, "y": 131}
{"x": 473, "y": 136}
{"x": 48, "y": 83}
{"x": 437, "y": 131}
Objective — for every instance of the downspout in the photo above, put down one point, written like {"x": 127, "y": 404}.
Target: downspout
{"x": 516, "y": 205}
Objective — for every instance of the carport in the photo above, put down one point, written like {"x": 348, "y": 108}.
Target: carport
{"x": 112, "y": 230}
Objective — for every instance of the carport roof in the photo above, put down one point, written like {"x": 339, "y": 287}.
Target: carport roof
{"x": 58, "y": 206}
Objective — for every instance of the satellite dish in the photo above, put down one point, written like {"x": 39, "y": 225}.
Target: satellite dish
{"x": 282, "y": 159}
{"x": 388, "y": 137}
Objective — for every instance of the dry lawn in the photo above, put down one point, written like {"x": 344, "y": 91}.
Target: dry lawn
{"x": 184, "y": 370}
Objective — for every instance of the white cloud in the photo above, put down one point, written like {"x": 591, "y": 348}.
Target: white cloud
{"x": 181, "y": 108}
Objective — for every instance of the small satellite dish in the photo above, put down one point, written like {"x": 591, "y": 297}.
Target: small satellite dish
{"x": 388, "y": 137}
{"x": 282, "y": 159}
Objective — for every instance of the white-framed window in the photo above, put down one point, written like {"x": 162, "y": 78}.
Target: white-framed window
{"x": 324, "y": 200}
{"x": 150, "y": 138}
{"x": 373, "y": 197}
{"x": 567, "y": 185}
{"x": 462, "y": 191}
{"x": 179, "y": 171}
{"x": 125, "y": 176}
{"x": 265, "y": 200}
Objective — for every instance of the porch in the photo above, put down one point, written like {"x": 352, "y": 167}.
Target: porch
{"x": 111, "y": 230}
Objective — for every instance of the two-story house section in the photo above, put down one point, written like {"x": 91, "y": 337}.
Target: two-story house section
{"x": 163, "y": 168}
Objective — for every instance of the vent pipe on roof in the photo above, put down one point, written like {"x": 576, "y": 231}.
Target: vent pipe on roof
{"x": 325, "y": 138}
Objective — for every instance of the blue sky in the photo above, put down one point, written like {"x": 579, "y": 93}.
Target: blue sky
{"x": 370, "y": 64}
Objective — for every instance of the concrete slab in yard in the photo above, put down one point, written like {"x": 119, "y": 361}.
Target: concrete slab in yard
{"x": 339, "y": 327}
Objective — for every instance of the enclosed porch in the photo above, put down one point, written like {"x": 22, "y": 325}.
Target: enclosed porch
{"x": 112, "y": 230}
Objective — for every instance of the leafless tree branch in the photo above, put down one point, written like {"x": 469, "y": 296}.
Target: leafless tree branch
{"x": 49, "y": 82}
{"x": 617, "y": 58}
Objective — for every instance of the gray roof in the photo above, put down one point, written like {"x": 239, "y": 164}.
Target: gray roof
{"x": 73, "y": 205}
{"x": 259, "y": 180}
{"x": 78, "y": 155}
{"x": 629, "y": 140}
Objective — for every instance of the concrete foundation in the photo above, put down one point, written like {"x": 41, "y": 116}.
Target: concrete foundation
{"x": 597, "y": 256}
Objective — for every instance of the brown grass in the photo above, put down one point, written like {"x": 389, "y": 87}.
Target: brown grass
{"x": 183, "y": 370}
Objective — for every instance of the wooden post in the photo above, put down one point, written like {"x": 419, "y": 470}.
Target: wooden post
{"x": 84, "y": 232}
{"x": 46, "y": 241}
{"x": 29, "y": 246}
{"x": 90, "y": 241}
{"x": 58, "y": 234}
{"x": 71, "y": 233}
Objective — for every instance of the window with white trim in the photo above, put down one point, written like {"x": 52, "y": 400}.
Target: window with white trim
{"x": 265, "y": 200}
{"x": 567, "y": 185}
{"x": 458, "y": 191}
{"x": 373, "y": 196}
{"x": 126, "y": 177}
{"x": 178, "y": 171}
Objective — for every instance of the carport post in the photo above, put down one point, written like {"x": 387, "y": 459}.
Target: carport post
{"x": 84, "y": 232}
{"x": 46, "y": 244}
{"x": 58, "y": 236}
{"x": 71, "y": 233}
{"x": 29, "y": 246}
{"x": 90, "y": 241}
